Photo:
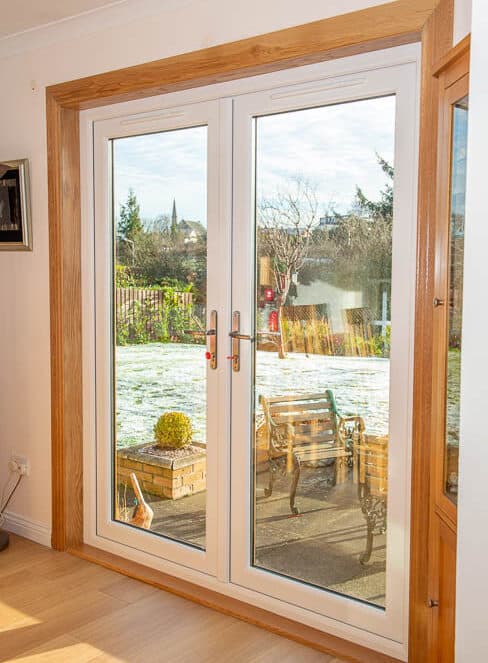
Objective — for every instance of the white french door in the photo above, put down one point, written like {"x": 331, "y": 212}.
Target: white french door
{"x": 275, "y": 551}
{"x": 281, "y": 208}
{"x": 129, "y": 320}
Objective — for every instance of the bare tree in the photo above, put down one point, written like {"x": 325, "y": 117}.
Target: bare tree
{"x": 285, "y": 225}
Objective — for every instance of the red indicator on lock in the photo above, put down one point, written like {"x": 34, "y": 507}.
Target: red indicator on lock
{"x": 208, "y": 355}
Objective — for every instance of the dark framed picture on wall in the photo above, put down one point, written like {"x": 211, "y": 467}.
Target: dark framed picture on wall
{"x": 15, "y": 221}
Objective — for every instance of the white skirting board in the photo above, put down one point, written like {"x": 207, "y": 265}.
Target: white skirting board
{"x": 38, "y": 532}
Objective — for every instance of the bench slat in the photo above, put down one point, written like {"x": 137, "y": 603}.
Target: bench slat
{"x": 320, "y": 454}
{"x": 300, "y": 407}
{"x": 315, "y": 439}
{"x": 306, "y": 416}
{"x": 314, "y": 429}
{"x": 296, "y": 397}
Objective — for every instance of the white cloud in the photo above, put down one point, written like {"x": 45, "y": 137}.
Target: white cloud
{"x": 163, "y": 166}
{"x": 333, "y": 146}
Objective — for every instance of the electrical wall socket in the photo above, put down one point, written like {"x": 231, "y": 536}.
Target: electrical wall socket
{"x": 19, "y": 464}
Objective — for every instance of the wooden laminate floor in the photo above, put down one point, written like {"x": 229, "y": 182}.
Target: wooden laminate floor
{"x": 60, "y": 609}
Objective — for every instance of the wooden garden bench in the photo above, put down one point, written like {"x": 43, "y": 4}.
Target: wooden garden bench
{"x": 371, "y": 475}
{"x": 307, "y": 428}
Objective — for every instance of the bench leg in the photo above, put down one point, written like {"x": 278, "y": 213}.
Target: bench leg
{"x": 294, "y": 483}
{"x": 366, "y": 556}
{"x": 374, "y": 511}
{"x": 272, "y": 472}
{"x": 340, "y": 470}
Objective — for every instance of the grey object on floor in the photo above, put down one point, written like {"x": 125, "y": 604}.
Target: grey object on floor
{"x": 4, "y": 539}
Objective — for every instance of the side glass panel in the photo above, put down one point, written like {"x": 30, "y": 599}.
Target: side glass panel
{"x": 159, "y": 318}
{"x": 324, "y": 217}
{"x": 455, "y": 313}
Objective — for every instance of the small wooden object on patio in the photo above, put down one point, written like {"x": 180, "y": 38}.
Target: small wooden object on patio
{"x": 143, "y": 514}
{"x": 307, "y": 428}
{"x": 371, "y": 463}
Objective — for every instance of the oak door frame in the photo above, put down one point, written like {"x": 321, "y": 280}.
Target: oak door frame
{"x": 453, "y": 74}
{"x": 379, "y": 27}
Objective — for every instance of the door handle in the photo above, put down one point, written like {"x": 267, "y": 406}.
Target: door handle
{"x": 241, "y": 337}
{"x": 237, "y": 337}
{"x": 211, "y": 335}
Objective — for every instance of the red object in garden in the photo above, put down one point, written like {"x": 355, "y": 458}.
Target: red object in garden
{"x": 208, "y": 355}
{"x": 269, "y": 294}
{"x": 273, "y": 321}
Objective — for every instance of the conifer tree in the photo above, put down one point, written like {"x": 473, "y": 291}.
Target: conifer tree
{"x": 130, "y": 224}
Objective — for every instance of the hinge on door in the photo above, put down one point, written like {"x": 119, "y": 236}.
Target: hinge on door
{"x": 432, "y": 603}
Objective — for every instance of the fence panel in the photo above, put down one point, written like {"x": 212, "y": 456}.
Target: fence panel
{"x": 145, "y": 315}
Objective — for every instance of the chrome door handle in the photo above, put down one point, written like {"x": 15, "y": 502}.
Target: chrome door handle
{"x": 237, "y": 337}
{"x": 241, "y": 337}
{"x": 211, "y": 335}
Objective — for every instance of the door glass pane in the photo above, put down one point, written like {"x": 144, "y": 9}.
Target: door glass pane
{"x": 159, "y": 302}
{"x": 456, "y": 268}
{"x": 324, "y": 216}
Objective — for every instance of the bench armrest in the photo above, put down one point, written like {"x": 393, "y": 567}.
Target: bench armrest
{"x": 278, "y": 439}
{"x": 354, "y": 418}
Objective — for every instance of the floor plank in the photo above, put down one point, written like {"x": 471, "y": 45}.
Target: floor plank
{"x": 55, "y": 608}
{"x": 61, "y": 650}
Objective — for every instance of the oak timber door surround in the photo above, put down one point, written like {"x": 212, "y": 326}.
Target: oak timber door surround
{"x": 453, "y": 75}
{"x": 379, "y": 27}
{"x": 212, "y": 534}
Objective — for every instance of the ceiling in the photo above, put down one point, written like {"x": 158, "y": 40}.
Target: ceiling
{"x": 22, "y": 15}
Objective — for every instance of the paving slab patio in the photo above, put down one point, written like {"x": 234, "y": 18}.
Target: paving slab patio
{"x": 320, "y": 546}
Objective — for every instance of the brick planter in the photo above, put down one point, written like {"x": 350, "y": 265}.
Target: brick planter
{"x": 164, "y": 475}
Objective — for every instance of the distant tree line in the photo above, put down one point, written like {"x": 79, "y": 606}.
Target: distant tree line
{"x": 353, "y": 252}
{"x": 158, "y": 253}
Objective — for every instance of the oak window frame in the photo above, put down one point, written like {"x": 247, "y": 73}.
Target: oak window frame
{"x": 404, "y": 21}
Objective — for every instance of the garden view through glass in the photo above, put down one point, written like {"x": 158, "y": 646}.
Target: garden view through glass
{"x": 160, "y": 274}
{"x": 455, "y": 312}
{"x": 324, "y": 218}
{"x": 323, "y": 322}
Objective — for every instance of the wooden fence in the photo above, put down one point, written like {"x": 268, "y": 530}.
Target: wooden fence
{"x": 145, "y": 315}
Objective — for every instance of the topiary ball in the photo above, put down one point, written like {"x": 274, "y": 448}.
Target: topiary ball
{"x": 173, "y": 429}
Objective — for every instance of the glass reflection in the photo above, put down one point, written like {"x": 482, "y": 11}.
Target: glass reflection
{"x": 159, "y": 366}
{"x": 324, "y": 216}
{"x": 456, "y": 270}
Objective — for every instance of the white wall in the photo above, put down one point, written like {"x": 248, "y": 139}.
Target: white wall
{"x": 338, "y": 300}
{"x": 462, "y": 19}
{"x": 472, "y": 575}
{"x": 142, "y": 30}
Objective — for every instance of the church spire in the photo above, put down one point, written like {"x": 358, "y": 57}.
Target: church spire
{"x": 174, "y": 221}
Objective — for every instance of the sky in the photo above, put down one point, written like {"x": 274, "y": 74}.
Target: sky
{"x": 161, "y": 167}
{"x": 334, "y": 147}
{"x": 459, "y": 153}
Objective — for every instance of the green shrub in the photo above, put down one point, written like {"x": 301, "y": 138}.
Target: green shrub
{"x": 173, "y": 429}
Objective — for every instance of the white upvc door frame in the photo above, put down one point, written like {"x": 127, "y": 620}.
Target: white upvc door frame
{"x": 400, "y": 81}
{"x": 215, "y": 115}
{"x": 215, "y": 573}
